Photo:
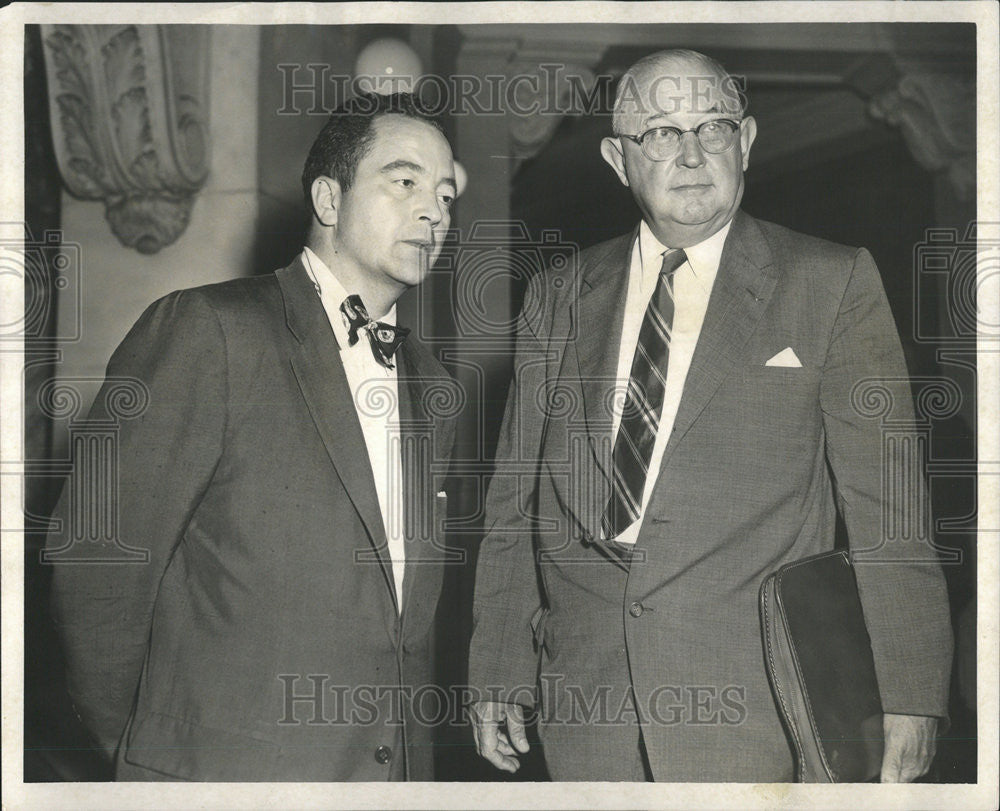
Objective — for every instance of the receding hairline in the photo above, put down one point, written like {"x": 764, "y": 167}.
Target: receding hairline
{"x": 675, "y": 56}
{"x": 654, "y": 64}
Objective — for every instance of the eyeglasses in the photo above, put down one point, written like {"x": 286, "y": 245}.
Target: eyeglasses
{"x": 663, "y": 143}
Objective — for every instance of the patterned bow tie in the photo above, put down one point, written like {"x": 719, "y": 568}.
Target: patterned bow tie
{"x": 385, "y": 339}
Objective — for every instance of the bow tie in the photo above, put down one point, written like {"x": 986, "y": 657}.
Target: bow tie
{"x": 385, "y": 339}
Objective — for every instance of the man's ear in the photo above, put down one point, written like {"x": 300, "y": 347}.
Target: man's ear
{"x": 611, "y": 151}
{"x": 748, "y": 132}
{"x": 326, "y": 195}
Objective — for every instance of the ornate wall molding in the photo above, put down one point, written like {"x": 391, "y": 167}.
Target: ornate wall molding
{"x": 544, "y": 93}
{"x": 550, "y": 80}
{"x": 936, "y": 114}
{"x": 129, "y": 112}
{"x": 544, "y": 80}
{"x": 927, "y": 91}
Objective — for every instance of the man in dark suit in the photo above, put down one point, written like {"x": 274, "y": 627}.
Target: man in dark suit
{"x": 280, "y": 488}
{"x": 617, "y": 583}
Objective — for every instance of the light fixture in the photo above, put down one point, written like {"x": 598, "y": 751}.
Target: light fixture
{"x": 387, "y": 66}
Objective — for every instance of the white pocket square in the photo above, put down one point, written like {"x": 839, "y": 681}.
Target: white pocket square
{"x": 787, "y": 358}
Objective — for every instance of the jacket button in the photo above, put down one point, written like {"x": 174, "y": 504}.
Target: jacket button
{"x": 383, "y": 754}
{"x": 635, "y": 609}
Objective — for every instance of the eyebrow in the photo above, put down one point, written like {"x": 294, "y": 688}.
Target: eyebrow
{"x": 402, "y": 164}
{"x": 415, "y": 167}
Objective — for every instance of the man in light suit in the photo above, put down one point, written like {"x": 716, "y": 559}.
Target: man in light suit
{"x": 279, "y": 487}
{"x": 617, "y": 583}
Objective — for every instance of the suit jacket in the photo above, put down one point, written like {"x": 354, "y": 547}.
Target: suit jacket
{"x": 260, "y": 639}
{"x": 758, "y": 462}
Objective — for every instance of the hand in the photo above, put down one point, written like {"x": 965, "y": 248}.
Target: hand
{"x": 496, "y": 746}
{"x": 910, "y": 743}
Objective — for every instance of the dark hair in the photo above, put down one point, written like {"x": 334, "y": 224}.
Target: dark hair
{"x": 348, "y": 134}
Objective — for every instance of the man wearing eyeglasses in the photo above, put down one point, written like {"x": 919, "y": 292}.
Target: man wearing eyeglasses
{"x": 708, "y": 360}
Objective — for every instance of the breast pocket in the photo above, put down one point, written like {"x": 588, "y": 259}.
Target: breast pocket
{"x": 779, "y": 406}
{"x": 777, "y": 382}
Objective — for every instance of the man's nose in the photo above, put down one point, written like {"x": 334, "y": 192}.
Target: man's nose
{"x": 430, "y": 209}
{"x": 690, "y": 153}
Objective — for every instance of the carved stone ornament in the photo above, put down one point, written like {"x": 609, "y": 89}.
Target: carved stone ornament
{"x": 936, "y": 115}
{"x": 542, "y": 94}
{"x": 129, "y": 111}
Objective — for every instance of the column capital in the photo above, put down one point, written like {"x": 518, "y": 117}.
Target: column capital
{"x": 544, "y": 80}
{"x": 129, "y": 112}
{"x": 930, "y": 96}
{"x": 936, "y": 115}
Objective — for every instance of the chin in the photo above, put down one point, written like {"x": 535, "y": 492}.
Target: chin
{"x": 409, "y": 270}
{"x": 410, "y": 277}
{"x": 696, "y": 219}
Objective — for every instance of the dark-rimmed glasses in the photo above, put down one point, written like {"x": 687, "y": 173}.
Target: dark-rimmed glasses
{"x": 663, "y": 143}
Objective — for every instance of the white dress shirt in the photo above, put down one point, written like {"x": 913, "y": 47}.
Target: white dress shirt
{"x": 692, "y": 287}
{"x": 375, "y": 392}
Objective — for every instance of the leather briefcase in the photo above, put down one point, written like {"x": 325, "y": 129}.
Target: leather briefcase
{"x": 819, "y": 661}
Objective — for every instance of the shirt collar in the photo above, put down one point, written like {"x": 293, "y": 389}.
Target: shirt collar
{"x": 332, "y": 294}
{"x": 703, "y": 258}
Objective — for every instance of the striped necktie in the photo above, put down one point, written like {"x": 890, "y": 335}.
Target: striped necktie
{"x": 643, "y": 403}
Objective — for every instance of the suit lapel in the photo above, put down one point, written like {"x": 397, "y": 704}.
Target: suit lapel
{"x": 316, "y": 363}
{"x": 597, "y": 314}
{"x": 743, "y": 286}
{"x": 426, "y": 435}
{"x": 592, "y": 359}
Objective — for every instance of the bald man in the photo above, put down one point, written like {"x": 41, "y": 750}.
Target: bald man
{"x": 617, "y": 584}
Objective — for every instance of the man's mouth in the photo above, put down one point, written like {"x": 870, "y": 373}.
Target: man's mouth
{"x": 692, "y": 187}
{"x": 425, "y": 244}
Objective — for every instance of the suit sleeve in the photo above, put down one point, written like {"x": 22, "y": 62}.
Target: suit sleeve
{"x": 166, "y": 457}
{"x": 884, "y": 500}
{"x": 503, "y": 662}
